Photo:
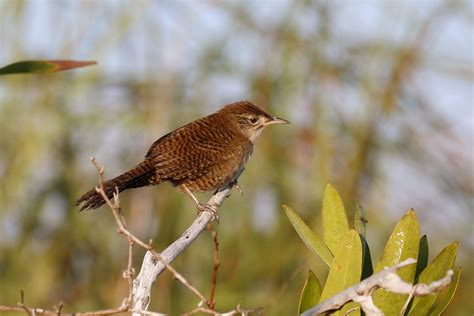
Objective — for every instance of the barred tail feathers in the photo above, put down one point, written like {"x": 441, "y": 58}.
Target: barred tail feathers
{"x": 141, "y": 175}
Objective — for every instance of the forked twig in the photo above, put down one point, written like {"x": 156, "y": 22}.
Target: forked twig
{"x": 22, "y": 304}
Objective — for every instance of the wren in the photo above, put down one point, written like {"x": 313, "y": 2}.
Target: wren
{"x": 205, "y": 155}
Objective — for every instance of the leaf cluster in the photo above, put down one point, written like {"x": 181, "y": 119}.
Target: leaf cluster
{"x": 346, "y": 253}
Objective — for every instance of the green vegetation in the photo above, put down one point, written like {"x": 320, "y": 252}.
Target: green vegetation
{"x": 349, "y": 261}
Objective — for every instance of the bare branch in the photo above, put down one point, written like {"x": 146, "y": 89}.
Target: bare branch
{"x": 238, "y": 310}
{"x": 154, "y": 263}
{"x": 151, "y": 268}
{"x": 155, "y": 256}
{"x": 41, "y": 311}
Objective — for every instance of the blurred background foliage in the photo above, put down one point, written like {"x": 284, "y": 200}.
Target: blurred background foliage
{"x": 380, "y": 96}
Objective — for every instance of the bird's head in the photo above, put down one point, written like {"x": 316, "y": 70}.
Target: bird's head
{"x": 249, "y": 118}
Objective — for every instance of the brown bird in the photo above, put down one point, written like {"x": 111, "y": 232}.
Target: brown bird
{"x": 205, "y": 155}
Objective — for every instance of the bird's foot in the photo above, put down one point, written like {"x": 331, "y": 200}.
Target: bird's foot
{"x": 209, "y": 208}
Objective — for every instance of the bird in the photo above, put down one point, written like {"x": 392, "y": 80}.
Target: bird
{"x": 208, "y": 154}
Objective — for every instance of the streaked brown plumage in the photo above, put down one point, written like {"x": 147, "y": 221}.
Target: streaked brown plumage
{"x": 204, "y": 155}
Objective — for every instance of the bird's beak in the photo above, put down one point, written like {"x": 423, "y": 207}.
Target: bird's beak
{"x": 276, "y": 120}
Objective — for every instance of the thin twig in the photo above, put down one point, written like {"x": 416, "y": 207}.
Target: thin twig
{"x": 22, "y": 303}
{"x": 46, "y": 312}
{"x": 129, "y": 273}
{"x": 235, "y": 311}
{"x": 212, "y": 302}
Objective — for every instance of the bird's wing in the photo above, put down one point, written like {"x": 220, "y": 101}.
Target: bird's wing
{"x": 193, "y": 151}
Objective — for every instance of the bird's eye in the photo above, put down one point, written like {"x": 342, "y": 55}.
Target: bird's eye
{"x": 253, "y": 120}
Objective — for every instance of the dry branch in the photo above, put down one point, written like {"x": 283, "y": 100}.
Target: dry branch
{"x": 154, "y": 263}
{"x": 212, "y": 299}
{"x": 151, "y": 267}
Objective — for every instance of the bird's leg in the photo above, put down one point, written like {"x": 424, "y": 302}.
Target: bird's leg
{"x": 201, "y": 206}
{"x": 190, "y": 194}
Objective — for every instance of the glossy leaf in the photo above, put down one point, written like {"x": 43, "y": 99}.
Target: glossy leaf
{"x": 310, "y": 294}
{"x": 434, "y": 271}
{"x": 447, "y": 295}
{"x": 402, "y": 244}
{"x": 346, "y": 269}
{"x": 335, "y": 224}
{"x": 423, "y": 255}
{"x": 360, "y": 223}
{"x": 43, "y": 66}
{"x": 311, "y": 240}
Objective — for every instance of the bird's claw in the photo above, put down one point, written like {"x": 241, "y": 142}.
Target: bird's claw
{"x": 237, "y": 186}
{"x": 211, "y": 209}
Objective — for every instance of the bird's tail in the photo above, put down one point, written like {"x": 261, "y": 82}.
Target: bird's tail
{"x": 141, "y": 175}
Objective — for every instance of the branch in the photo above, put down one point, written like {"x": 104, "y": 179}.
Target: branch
{"x": 386, "y": 279}
{"x": 236, "y": 311}
{"x": 154, "y": 257}
{"x": 212, "y": 299}
{"x": 22, "y": 308}
{"x": 151, "y": 267}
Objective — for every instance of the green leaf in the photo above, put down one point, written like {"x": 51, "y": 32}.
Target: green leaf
{"x": 367, "y": 268}
{"x": 310, "y": 294}
{"x": 360, "y": 223}
{"x": 43, "y": 66}
{"x": 345, "y": 270}
{"x": 434, "y": 271}
{"x": 403, "y": 244}
{"x": 311, "y": 240}
{"x": 446, "y": 295}
{"x": 423, "y": 255}
{"x": 335, "y": 224}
